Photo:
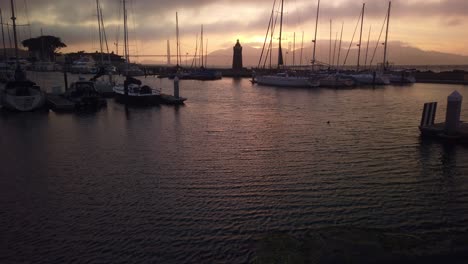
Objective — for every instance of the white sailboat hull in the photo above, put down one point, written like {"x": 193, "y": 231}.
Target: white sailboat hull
{"x": 286, "y": 81}
{"x": 368, "y": 79}
{"x": 33, "y": 101}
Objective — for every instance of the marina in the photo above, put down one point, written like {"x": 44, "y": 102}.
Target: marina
{"x": 248, "y": 150}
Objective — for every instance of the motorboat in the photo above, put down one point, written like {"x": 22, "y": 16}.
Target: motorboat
{"x": 133, "y": 92}
{"x": 84, "y": 95}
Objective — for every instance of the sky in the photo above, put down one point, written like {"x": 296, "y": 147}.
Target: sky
{"x": 433, "y": 25}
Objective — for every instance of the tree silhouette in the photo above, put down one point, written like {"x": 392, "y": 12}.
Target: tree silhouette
{"x": 44, "y": 47}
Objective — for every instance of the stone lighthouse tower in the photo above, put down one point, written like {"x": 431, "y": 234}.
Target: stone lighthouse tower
{"x": 237, "y": 57}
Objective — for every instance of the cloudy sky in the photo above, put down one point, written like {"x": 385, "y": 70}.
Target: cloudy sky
{"x": 437, "y": 25}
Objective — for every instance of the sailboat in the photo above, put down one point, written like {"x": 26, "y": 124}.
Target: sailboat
{"x": 103, "y": 86}
{"x": 20, "y": 94}
{"x": 132, "y": 91}
{"x": 201, "y": 73}
{"x": 366, "y": 77}
{"x": 400, "y": 76}
{"x": 284, "y": 79}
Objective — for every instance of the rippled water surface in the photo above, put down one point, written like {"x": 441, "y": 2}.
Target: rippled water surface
{"x": 200, "y": 183}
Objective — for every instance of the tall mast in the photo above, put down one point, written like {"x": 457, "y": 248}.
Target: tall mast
{"x": 339, "y": 48}
{"x": 196, "y": 51}
{"x": 9, "y": 35}
{"x": 206, "y": 53}
{"x": 201, "y": 47}
{"x": 42, "y": 46}
{"x": 3, "y": 36}
{"x": 386, "y": 36}
{"x": 126, "y": 55}
{"x": 315, "y": 37}
{"x": 99, "y": 28}
{"x": 360, "y": 36}
{"x": 177, "y": 38}
{"x": 13, "y": 18}
{"x": 330, "y": 46}
{"x": 302, "y": 48}
{"x": 280, "y": 52}
{"x": 104, "y": 36}
{"x": 169, "y": 54}
{"x": 270, "y": 47}
{"x": 334, "y": 49}
{"x": 294, "y": 49}
{"x": 367, "y": 49}
{"x": 266, "y": 35}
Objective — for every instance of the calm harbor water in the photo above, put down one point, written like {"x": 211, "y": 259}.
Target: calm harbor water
{"x": 202, "y": 182}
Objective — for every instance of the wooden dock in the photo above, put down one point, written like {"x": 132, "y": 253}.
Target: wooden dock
{"x": 58, "y": 103}
{"x": 172, "y": 100}
{"x": 438, "y": 131}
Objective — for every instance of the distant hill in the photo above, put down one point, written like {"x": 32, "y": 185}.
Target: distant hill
{"x": 398, "y": 53}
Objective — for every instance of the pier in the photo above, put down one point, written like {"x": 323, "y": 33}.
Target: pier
{"x": 58, "y": 103}
{"x": 453, "y": 129}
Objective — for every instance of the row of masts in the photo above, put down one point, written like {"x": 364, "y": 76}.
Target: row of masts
{"x": 203, "y": 58}
{"x": 331, "y": 55}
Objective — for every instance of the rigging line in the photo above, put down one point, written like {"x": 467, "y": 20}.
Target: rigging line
{"x": 302, "y": 48}
{"x": 99, "y": 30}
{"x": 105, "y": 35}
{"x": 266, "y": 35}
{"x": 117, "y": 35}
{"x": 315, "y": 34}
{"x": 194, "y": 60}
{"x": 378, "y": 41}
{"x": 339, "y": 48}
{"x": 135, "y": 38}
{"x": 270, "y": 47}
{"x": 367, "y": 49}
{"x": 352, "y": 39}
{"x": 27, "y": 16}
{"x": 334, "y": 49}
{"x": 272, "y": 27}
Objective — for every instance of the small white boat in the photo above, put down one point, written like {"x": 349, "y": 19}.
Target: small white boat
{"x": 284, "y": 80}
{"x": 84, "y": 65}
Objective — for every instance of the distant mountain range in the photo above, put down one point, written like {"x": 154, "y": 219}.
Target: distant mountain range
{"x": 398, "y": 53}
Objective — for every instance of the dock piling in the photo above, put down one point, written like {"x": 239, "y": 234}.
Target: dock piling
{"x": 176, "y": 87}
{"x": 65, "y": 78}
{"x": 452, "y": 118}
